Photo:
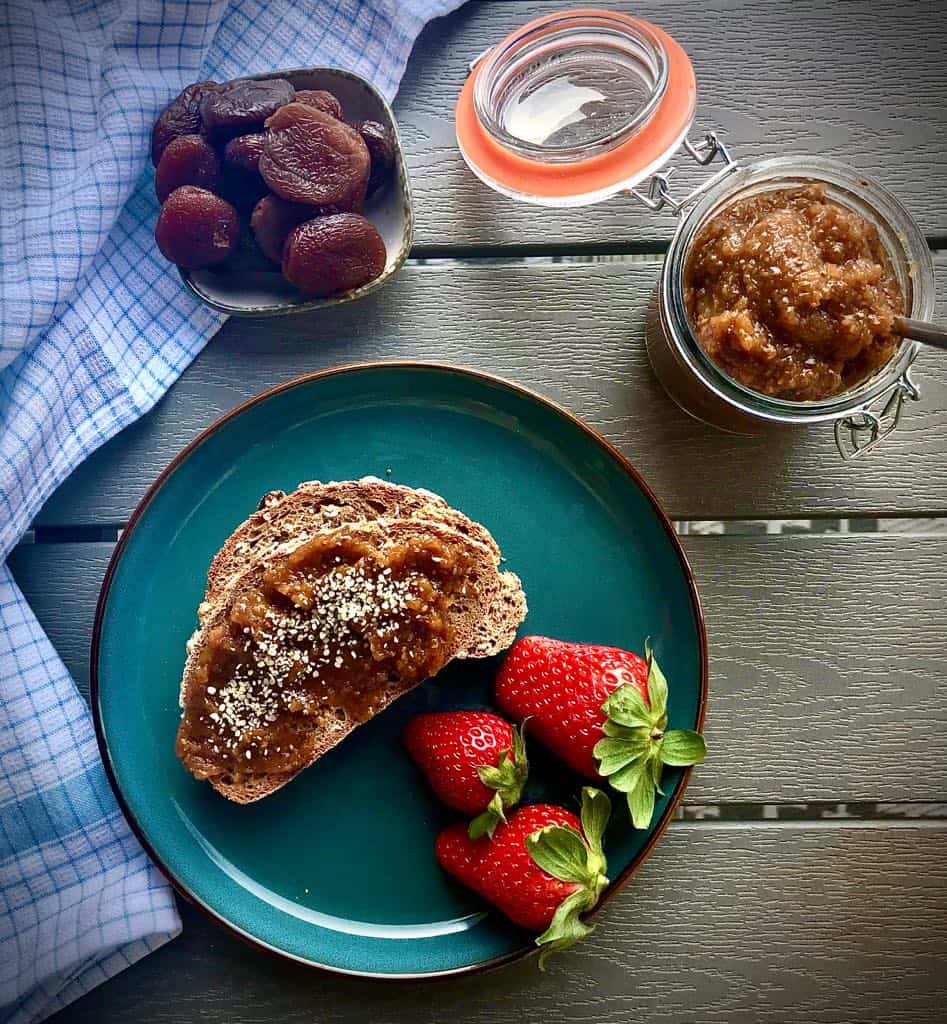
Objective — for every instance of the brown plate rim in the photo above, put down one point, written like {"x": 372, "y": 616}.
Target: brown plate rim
{"x": 360, "y": 367}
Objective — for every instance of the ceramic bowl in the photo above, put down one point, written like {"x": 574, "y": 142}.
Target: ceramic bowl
{"x": 252, "y": 291}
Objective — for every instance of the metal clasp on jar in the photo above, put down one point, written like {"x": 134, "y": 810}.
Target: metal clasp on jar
{"x": 859, "y": 433}
{"x": 658, "y": 195}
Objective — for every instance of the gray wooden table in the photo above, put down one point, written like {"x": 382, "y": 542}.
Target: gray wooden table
{"x": 807, "y": 877}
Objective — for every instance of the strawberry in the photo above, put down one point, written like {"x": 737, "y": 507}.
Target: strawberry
{"x": 561, "y": 687}
{"x": 543, "y": 867}
{"x": 602, "y": 710}
{"x": 475, "y": 762}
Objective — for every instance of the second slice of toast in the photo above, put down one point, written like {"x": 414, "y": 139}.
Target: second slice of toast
{"x": 314, "y": 507}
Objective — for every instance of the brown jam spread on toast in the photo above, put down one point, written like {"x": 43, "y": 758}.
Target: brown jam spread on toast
{"x": 793, "y": 294}
{"x": 316, "y": 641}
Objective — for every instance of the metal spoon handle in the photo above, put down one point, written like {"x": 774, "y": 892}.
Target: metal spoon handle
{"x": 921, "y": 330}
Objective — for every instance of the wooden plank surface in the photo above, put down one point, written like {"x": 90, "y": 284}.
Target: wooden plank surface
{"x": 860, "y": 82}
{"x": 575, "y": 332}
{"x": 724, "y": 925}
{"x": 827, "y": 653}
{"x": 827, "y": 660}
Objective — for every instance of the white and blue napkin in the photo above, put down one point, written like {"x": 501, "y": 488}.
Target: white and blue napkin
{"x": 94, "y": 327}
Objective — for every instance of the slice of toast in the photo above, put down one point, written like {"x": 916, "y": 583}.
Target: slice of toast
{"x": 485, "y": 607}
{"x": 314, "y": 507}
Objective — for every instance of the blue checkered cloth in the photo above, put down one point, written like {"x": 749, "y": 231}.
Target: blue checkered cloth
{"x": 94, "y": 327}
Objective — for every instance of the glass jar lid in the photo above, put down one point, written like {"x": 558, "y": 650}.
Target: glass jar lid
{"x": 576, "y": 106}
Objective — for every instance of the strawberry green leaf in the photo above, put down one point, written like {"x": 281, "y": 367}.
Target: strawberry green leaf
{"x": 641, "y": 802}
{"x": 491, "y": 776}
{"x": 561, "y": 852}
{"x": 566, "y": 927}
{"x": 518, "y": 752}
{"x": 623, "y": 732}
{"x": 657, "y": 686}
{"x": 627, "y": 707}
{"x": 596, "y": 810}
{"x": 507, "y": 777}
{"x": 614, "y": 754}
{"x": 627, "y": 778}
{"x": 486, "y": 822}
{"x": 683, "y": 747}
{"x": 656, "y": 767}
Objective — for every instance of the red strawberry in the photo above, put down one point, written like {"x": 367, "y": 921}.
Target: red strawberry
{"x": 561, "y": 688}
{"x": 542, "y": 868}
{"x": 602, "y": 710}
{"x": 475, "y": 762}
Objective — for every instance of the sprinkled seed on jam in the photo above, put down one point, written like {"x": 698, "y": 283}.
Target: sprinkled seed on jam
{"x": 332, "y": 626}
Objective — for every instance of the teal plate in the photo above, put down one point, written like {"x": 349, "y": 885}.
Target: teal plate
{"x": 337, "y": 869}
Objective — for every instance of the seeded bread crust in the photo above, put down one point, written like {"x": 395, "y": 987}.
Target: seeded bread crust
{"x": 314, "y": 507}
{"x": 484, "y": 622}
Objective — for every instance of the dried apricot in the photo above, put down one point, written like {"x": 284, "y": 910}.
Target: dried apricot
{"x": 182, "y": 116}
{"x": 310, "y": 157}
{"x": 186, "y": 160}
{"x": 237, "y": 108}
{"x": 240, "y": 181}
{"x": 273, "y": 219}
{"x": 332, "y": 254}
{"x": 245, "y": 151}
{"x": 196, "y": 228}
{"x": 322, "y": 100}
{"x": 381, "y": 149}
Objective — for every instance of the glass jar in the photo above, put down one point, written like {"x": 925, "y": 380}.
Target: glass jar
{"x": 579, "y": 106}
{"x": 864, "y": 414}
{"x": 574, "y": 107}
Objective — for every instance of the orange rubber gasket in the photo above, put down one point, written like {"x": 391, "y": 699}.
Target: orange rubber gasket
{"x": 643, "y": 153}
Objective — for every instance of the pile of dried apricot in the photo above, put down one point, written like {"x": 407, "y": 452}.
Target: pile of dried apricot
{"x": 282, "y": 167}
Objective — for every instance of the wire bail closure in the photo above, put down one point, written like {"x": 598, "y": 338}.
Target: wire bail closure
{"x": 866, "y": 429}
{"x": 658, "y": 194}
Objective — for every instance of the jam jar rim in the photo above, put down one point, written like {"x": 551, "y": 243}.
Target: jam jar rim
{"x": 643, "y": 32}
{"x": 909, "y": 255}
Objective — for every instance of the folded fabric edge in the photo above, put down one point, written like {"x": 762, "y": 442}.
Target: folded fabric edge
{"x": 62, "y": 990}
